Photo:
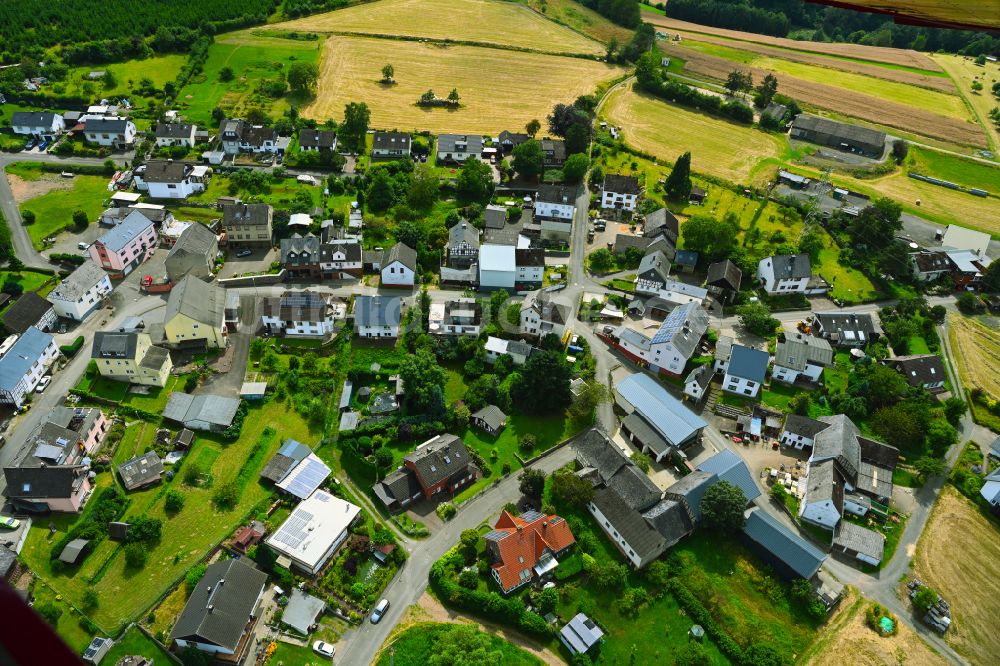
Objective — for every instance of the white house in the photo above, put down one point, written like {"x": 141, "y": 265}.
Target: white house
{"x": 497, "y": 267}
{"x": 314, "y": 531}
{"x": 666, "y": 347}
{"x": 458, "y": 316}
{"x": 785, "y": 273}
{"x": 113, "y": 132}
{"x": 540, "y": 315}
{"x": 239, "y": 136}
{"x": 298, "y": 313}
{"x": 175, "y": 134}
{"x": 377, "y": 316}
{"x": 41, "y": 125}
{"x": 801, "y": 355}
{"x": 23, "y": 361}
{"x": 458, "y": 147}
{"x": 399, "y": 266}
{"x": 530, "y": 264}
{"x": 391, "y": 144}
{"x": 340, "y": 259}
{"x": 166, "y": 179}
{"x": 800, "y": 431}
{"x": 697, "y": 382}
{"x": 746, "y": 372}
{"x": 81, "y": 293}
{"x": 517, "y": 350}
{"x": 620, "y": 192}
{"x": 820, "y": 505}
{"x": 555, "y": 206}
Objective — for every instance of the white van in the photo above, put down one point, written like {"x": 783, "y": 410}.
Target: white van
{"x": 379, "y": 611}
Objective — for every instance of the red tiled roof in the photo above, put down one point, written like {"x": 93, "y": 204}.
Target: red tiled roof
{"x": 525, "y": 542}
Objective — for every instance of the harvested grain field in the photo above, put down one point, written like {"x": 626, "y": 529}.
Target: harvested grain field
{"x": 957, "y": 555}
{"x": 718, "y": 147}
{"x": 889, "y": 56}
{"x": 977, "y": 351}
{"x": 965, "y": 72}
{"x": 847, "y": 634}
{"x": 519, "y": 86}
{"x": 582, "y": 19}
{"x": 842, "y": 100}
{"x": 490, "y": 22}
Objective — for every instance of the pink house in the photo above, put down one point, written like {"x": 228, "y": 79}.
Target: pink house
{"x": 88, "y": 423}
{"x": 126, "y": 245}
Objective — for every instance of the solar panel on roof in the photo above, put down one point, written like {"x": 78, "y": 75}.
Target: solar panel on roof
{"x": 531, "y": 515}
{"x": 322, "y": 497}
{"x": 308, "y": 476}
{"x": 496, "y": 535}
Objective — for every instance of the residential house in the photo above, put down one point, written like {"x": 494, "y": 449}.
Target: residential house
{"x": 620, "y": 192}
{"x": 961, "y": 238}
{"x": 555, "y": 152}
{"x": 686, "y": 261}
{"x": 517, "y": 350}
{"x": 239, "y": 136}
{"x": 317, "y": 140}
{"x": 340, "y": 259}
{"x": 297, "y": 314}
{"x": 723, "y": 352}
{"x": 81, "y": 292}
{"x": 116, "y": 133}
{"x": 85, "y": 427}
{"x": 661, "y": 222}
{"x": 789, "y": 554}
{"x": 991, "y": 490}
{"x": 664, "y": 346}
{"x": 301, "y": 256}
{"x": 497, "y": 267}
{"x": 141, "y": 471}
{"x": 511, "y": 140}
{"x": 156, "y": 213}
{"x": 457, "y": 316}
{"x": 166, "y": 179}
{"x": 923, "y": 370}
{"x": 580, "y": 634}
{"x": 399, "y": 266}
{"x": 377, "y": 316}
{"x": 785, "y": 273}
{"x": 175, "y": 134}
{"x": 653, "y": 273}
{"x": 489, "y": 419}
{"x": 858, "y": 542}
{"x": 697, "y": 382}
{"x": 644, "y": 245}
{"x": 801, "y": 356}
{"x": 541, "y": 315}
{"x": 43, "y": 125}
{"x": 201, "y": 412}
{"x": 313, "y": 532}
{"x": 462, "y": 249}
{"x": 440, "y": 465}
{"x": 846, "y": 329}
{"x": 24, "y": 359}
{"x": 196, "y": 315}
{"x": 530, "y": 268}
{"x": 193, "y": 254}
{"x": 248, "y": 224}
{"x": 391, "y": 145}
{"x": 967, "y": 268}
{"x": 38, "y": 487}
{"x": 125, "y": 246}
{"x": 29, "y": 311}
{"x": 526, "y": 547}
{"x": 929, "y": 265}
{"x": 131, "y": 357}
{"x": 724, "y": 279}
{"x": 800, "y": 431}
{"x": 458, "y": 148}
{"x": 555, "y": 207}
{"x": 221, "y": 613}
{"x": 842, "y": 136}
{"x": 305, "y": 478}
{"x": 656, "y": 422}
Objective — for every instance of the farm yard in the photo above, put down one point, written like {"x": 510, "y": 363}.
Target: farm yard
{"x": 718, "y": 147}
{"x": 957, "y": 557}
{"x": 530, "y": 83}
{"x": 470, "y": 21}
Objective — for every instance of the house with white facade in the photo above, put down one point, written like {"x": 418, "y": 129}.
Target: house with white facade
{"x": 29, "y": 311}
{"x": 517, "y": 350}
{"x": 24, "y": 359}
{"x": 340, "y": 259}
{"x": 81, "y": 292}
{"x": 800, "y": 431}
{"x": 652, "y": 274}
{"x": 620, "y": 192}
{"x": 125, "y": 246}
{"x": 555, "y": 207}
{"x": 391, "y": 145}
{"x": 113, "y": 132}
{"x": 697, "y": 382}
{"x": 166, "y": 179}
{"x": 458, "y": 148}
{"x": 497, "y": 267}
{"x": 541, "y": 315}
{"x": 746, "y": 372}
{"x": 175, "y": 134}
{"x": 43, "y": 125}
{"x": 801, "y": 356}
{"x": 298, "y": 314}
{"x": 314, "y": 531}
{"x": 399, "y": 266}
{"x": 785, "y": 273}
{"x": 457, "y": 316}
{"x": 239, "y": 136}
{"x": 923, "y": 370}
{"x": 530, "y": 263}
{"x": 847, "y": 329}
{"x": 666, "y": 346}
{"x": 317, "y": 140}
{"x": 377, "y": 316}
{"x": 462, "y": 249}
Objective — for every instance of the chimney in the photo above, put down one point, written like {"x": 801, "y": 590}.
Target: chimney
{"x": 545, "y": 525}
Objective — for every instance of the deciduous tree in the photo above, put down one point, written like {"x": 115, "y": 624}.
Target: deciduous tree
{"x": 303, "y": 77}
{"x": 722, "y": 507}
{"x": 529, "y": 159}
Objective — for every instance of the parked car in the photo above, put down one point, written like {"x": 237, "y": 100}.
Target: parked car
{"x": 83, "y": 246}
{"x": 244, "y": 253}
{"x": 9, "y": 522}
{"x": 379, "y": 611}
{"x": 30, "y": 144}
{"x": 42, "y": 146}
{"x": 325, "y": 649}
{"x": 43, "y": 383}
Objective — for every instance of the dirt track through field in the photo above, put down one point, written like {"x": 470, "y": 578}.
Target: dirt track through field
{"x": 904, "y": 57}
{"x": 842, "y": 101}
{"x": 958, "y": 556}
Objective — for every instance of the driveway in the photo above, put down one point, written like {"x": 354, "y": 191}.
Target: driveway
{"x": 232, "y": 366}
{"x": 258, "y": 262}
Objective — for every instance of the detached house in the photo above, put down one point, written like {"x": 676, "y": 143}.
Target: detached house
{"x": 248, "y": 224}
{"x": 462, "y": 249}
{"x": 125, "y": 246}
{"x": 540, "y": 315}
{"x": 665, "y": 347}
{"x": 131, "y": 357}
{"x": 398, "y": 266}
{"x": 196, "y": 315}
{"x": 80, "y": 293}
{"x": 24, "y": 359}
{"x": 43, "y": 125}
{"x": 317, "y": 140}
{"x": 193, "y": 254}
{"x": 723, "y": 279}
{"x": 526, "y": 547}
{"x": 653, "y": 273}
{"x": 314, "y": 531}
{"x": 239, "y": 136}
{"x": 457, "y": 316}
{"x": 458, "y": 147}
{"x": 801, "y": 356}
{"x": 298, "y": 313}
{"x": 440, "y": 465}
{"x": 846, "y": 329}
{"x": 114, "y": 132}
{"x": 517, "y": 350}
{"x": 391, "y": 145}
{"x": 30, "y": 311}
{"x": 620, "y": 192}
{"x": 165, "y": 179}
{"x": 555, "y": 152}
{"x": 175, "y": 134}
{"x": 785, "y": 273}
{"x": 555, "y": 207}
{"x": 746, "y": 371}
{"x": 930, "y": 265}
{"x": 340, "y": 259}
{"x": 377, "y": 316}
{"x": 923, "y": 370}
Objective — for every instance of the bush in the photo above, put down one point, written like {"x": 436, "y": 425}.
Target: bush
{"x": 90, "y": 600}
{"x": 135, "y": 555}
{"x": 70, "y": 350}
{"x": 446, "y": 511}
{"x": 192, "y": 474}
{"x": 226, "y": 496}
{"x": 469, "y": 579}
{"x": 174, "y": 501}
{"x": 193, "y": 576}
{"x": 144, "y": 530}
{"x": 49, "y": 612}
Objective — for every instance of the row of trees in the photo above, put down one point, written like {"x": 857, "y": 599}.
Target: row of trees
{"x": 650, "y": 78}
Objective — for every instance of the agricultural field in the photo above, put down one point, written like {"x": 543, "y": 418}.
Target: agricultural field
{"x": 520, "y": 88}
{"x": 957, "y": 556}
{"x": 582, "y": 19}
{"x": 254, "y": 58}
{"x": 54, "y": 199}
{"x": 159, "y": 70}
{"x": 847, "y": 634}
{"x": 472, "y": 21}
{"x": 977, "y": 354}
{"x": 964, "y": 71}
{"x": 949, "y": 167}
{"x": 718, "y": 147}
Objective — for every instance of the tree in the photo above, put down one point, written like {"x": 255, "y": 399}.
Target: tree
{"x": 756, "y": 318}
{"x": 303, "y": 77}
{"x": 383, "y": 458}
{"x": 991, "y": 278}
{"x": 192, "y": 474}
{"x": 954, "y": 409}
{"x": 738, "y": 81}
{"x": 762, "y": 654}
{"x": 678, "y": 184}
{"x": 427, "y": 97}
{"x": 532, "y": 483}
{"x": 799, "y": 404}
{"x": 642, "y": 461}
{"x": 226, "y": 74}
{"x": 903, "y": 425}
{"x": 565, "y": 116}
{"x": 424, "y": 187}
{"x": 649, "y": 71}
{"x": 609, "y": 575}
{"x": 423, "y": 378}
{"x": 542, "y": 385}
{"x": 529, "y": 159}
{"x": 355, "y": 126}
{"x": 109, "y": 81}
{"x": 546, "y": 601}
{"x": 924, "y": 599}
{"x": 766, "y": 90}
{"x": 968, "y": 303}
{"x": 80, "y": 220}
{"x": 135, "y": 555}
{"x": 90, "y": 599}
{"x": 713, "y": 238}
{"x": 900, "y": 149}
{"x": 174, "y": 501}
{"x": 812, "y": 242}
{"x": 49, "y": 612}
{"x": 532, "y": 127}
{"x": 527, "y": 443}
{"x": 927, "y": 466}
{"x": 692, "y": 654}
{"x": 464, "y": 645}
{"x": 876, "y": 225}
{"x": 575, "y": 168}
{"x": 475, "y": 181}
{"x": 27, "y": 217}
{"x": 381, "y": 194}
{"x": 602, "y": 260}
{"x": 226, "y": 496}
{"x": 722, "y": 507}
{"x": 453, "y": 96}
{"x": 570, "y": 489}
{"x": 194, "y": 576}
{"x": 578, "y": 138}
{"x": 586, "y": 401}
{"x": 941, "y": 435}
{"x": 387, "y": 73}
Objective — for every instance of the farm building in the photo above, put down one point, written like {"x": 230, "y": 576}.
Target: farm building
{"x": 656, "y": 422}
{"x": 826, "y": 132}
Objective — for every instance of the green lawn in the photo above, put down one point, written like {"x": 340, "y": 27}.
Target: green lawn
{"x": 253, "y": 59}
{"x": 157, "y": 398}
{"x": 835, "y": 377}
{"x": 956, "y": 169}
{"x": 849, "y": 284}
{"x": 136, "y": 642}
{"x": 70, "y": 624}
{"x": 28, "y": 279}
{"x": 918, "y": 345}
{"x": 54, "y": 210}
{"x": 296, "y": 655}
{"x": 416, "y": 645}
{"x": 109, "y": 389}
{"x": 159, "y": 70}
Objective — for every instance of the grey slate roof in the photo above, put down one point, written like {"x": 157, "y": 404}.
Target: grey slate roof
{"x": 529, "y": 256}
{"x": 27, "y": 311}
{"x": 440, "y": 459}
{"x": 686, "y": 258}
{"x": 799, "y": 349}
{"x": 245, "y": 214}
{"x": 670, "y": 519}
{"x": 173, "y": 130}
{"x": 846, "y": 326}
{"x": 288, "y": 456}
{"x": 824, "y": 483}
{"x": 621, "y": 184}
{"x": 747, "y": 363}
{"x": 123, "y": 234}
{"x": 629, "y": 523}
{"x": 462, "y": 143}
{"x": 299, "y": 250}
{"x": 661, "y": 221}
{"x": 692, "y": 488}
{"x": 141, "y": 470}
{"x": 919, "y": 369}
{"x": 79, "y": 282}
{"x": 41, "y": 482}
{"x": 402, "y": 253}
{"x": 838, "y": 442}
{"x": 683, "y": 328}
{"x": 221, "y": 603}
{"x": 112, "y": 344}
{"x": 856, "y": 133}
{"x": 730, "y": 467}
{"x": 494, "y": 217}
{"x": 390, "y": 140}
{"x": 203, "y": 302}
{"x": 791, "y": 266}
{"x": 795, "y": 552}
{"x": 106, "y": 125}
{"x": 377, "y": 311}
{"x": 634, "y": 487}
{"x": 492, "y": 415}
{"x": 32, "y": 118}
{"x": 702, "y": 375}
{"x": 724, "y": 274}
{"x": 654, "y": 266}
{"x": 196, "y": 239}
{"x": 594, "y": 449}
{"x": 645, "y": 433}
{"x": 463, "y": 232}
{"x": 803, "y": 425}
{"x": 164, "y": 171}
{"x": 310, "y": 138}
{"x": 214, "y": 409}
{"x": 859, "y": 539}
{"x": 559, "y": 194}
{"x": 398, "y": 486}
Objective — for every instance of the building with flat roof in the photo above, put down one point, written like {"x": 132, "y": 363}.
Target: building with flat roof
{"x": 313, "y": 532}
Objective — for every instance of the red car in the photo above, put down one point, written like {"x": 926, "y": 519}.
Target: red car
{"x": 147, "y": 280}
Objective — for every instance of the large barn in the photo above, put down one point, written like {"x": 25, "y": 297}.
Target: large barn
{"x": 842, "y": 136}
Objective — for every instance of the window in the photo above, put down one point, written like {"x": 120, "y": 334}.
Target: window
{"x": 748, "y": 391}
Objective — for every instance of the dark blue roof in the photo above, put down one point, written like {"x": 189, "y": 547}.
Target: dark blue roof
{"x": 795, "y": 552}
{"x": 747, "y": 363}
